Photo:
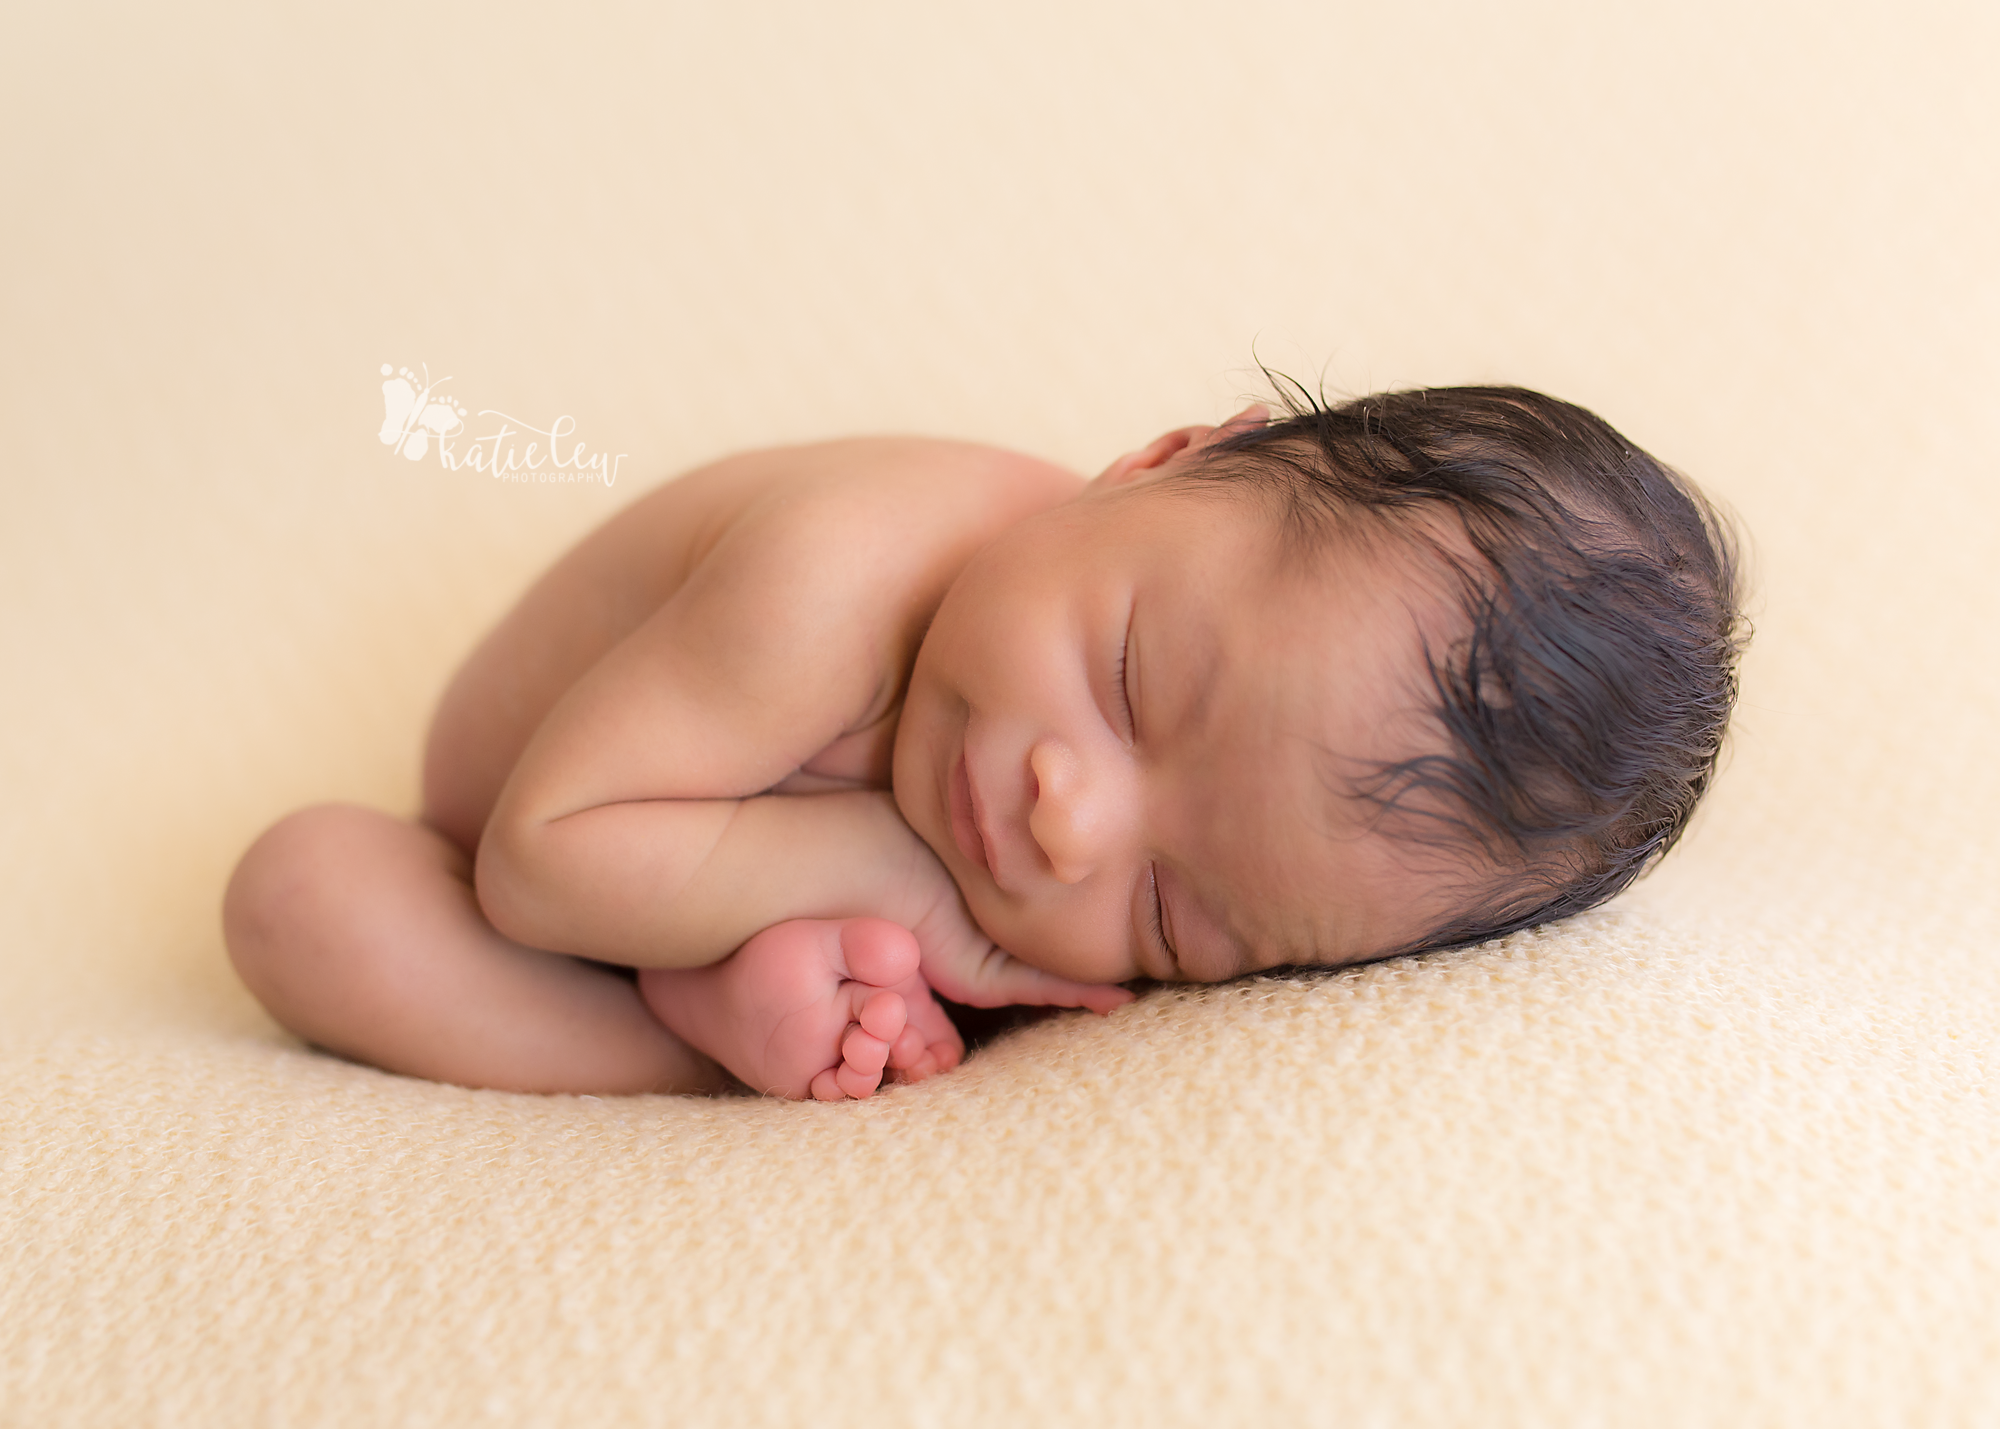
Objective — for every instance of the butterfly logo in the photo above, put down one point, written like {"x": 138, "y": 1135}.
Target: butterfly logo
{"x": 411, "y": 416}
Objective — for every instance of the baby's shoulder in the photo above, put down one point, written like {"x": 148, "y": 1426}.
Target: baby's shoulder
{"x": 836, "y": 555}
{"x": 898, "y": 490}
{"x": 886, "y": 503}
{"x": 836, "y": 550}
{"x": 867, "y": 514}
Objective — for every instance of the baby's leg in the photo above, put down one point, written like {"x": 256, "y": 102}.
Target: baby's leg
{"x": 812, "y": 1007}
{"x": 360, "y": 933}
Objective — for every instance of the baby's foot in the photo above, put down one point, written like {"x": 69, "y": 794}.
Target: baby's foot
{"x": 812, "y": 1007}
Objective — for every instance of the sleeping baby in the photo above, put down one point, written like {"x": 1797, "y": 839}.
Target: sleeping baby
{"x": 812, "y": 737}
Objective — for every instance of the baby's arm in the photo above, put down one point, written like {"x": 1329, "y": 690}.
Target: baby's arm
{"x": 635, "y": 827}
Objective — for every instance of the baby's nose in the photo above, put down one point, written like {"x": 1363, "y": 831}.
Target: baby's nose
{"x": 1081, "y": 814}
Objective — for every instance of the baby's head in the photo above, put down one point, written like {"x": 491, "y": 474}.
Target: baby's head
{"x": 1400, "y": 674}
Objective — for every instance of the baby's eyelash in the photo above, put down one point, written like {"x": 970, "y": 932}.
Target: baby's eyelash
{"x": 1159, "y": 921}
{"x": 1125, "y": 695}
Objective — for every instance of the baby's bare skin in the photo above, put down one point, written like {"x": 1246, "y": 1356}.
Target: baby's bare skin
{"x": 852, "y": 713}
{"x": 676, "y": 746}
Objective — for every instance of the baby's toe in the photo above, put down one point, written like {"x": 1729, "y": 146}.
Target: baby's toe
{"x": 878, "y": 952}
{"x": 907, "y": 1049}
{"x": 826, "y": 1087}
{"x": 863, "y": 1053}
{"x": 922, "y": 1069}
{"x": 885, "y": 1016}
{"x": 856, "y": 1083}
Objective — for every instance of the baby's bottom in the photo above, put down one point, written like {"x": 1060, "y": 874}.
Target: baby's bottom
{"x": 361, "y": 933}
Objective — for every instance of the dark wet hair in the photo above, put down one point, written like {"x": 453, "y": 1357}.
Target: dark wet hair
{"x": 1584, "y": 704}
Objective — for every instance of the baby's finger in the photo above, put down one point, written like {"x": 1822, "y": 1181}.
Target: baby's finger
{"x": 1001, "y": 980}
{"x": 1100, "y": 998}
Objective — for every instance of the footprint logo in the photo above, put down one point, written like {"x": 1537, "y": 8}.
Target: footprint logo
{"x": 410, "y": 415}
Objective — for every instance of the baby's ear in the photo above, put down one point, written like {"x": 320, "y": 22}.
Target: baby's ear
{"x": 1154, "y": 454}
{"x": 1133, "y": 465}
{"x": 1254, "y": 415}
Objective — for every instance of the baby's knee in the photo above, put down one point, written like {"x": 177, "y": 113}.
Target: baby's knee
{"x": 272, "y": 874}
{"x": 291, "y": 893}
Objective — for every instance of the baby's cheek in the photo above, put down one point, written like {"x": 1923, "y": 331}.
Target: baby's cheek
{"x": 993, "y": 917}
{"x": 1070, "y": 944}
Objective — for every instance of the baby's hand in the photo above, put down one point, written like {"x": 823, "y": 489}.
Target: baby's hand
{"x": 962, "y": 963}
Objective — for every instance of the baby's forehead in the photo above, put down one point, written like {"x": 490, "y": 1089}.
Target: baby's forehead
{"x": 1340, "y": 653}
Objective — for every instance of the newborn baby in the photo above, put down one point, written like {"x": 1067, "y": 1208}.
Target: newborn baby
{"x": 812, "y": 734}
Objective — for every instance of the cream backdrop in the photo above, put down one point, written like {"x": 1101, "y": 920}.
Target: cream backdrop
{"x": 1725, "y": 1153}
